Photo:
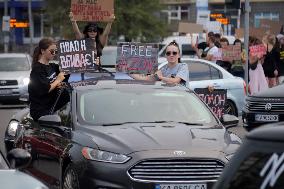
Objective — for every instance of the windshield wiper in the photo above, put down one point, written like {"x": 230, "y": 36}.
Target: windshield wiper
{"x": 186, "y": 123}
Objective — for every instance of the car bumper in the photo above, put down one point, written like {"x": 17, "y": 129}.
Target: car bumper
{"x": 249, "y": 121}
{"x": 14, "y": 93}
{"x": 101, "y": 175}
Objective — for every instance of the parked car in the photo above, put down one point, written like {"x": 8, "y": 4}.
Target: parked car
{"x": 258, "y": 163}
{"x": 14, "y": 76}
{"x": 126, "y": 134}
{"x": 264, "y": 107}
{"x": 203, "y": 73}
{"x": 11, "y": 178}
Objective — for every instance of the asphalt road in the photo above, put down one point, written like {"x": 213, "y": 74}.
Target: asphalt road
{"x": 7, "y": 111}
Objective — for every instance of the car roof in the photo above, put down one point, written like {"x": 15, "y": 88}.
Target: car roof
{"x": 13, "y": 55}
{"x": 270, "y": 132}
{"x": 126, "y": 84}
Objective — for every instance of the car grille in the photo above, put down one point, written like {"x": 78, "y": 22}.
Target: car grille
{"x": 177, "y": 170}
{"x": 8, "y": 82}
{"x": 265, "y": 106}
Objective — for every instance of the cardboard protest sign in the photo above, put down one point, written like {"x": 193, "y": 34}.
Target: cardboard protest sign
{"x": 257, "y": 50}
{"x": 231, "y": 52}
{"x": 92, "y": 10}
{"x": 215, "y": 100}
{"x": 269, "y": 25}
{"x": 77, "y": 55}
{"x": 256, "y": 32}
{"x": 185, "y": 27}
{"x": 137, "y": 58}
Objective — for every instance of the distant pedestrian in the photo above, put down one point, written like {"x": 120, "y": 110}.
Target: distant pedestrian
{"x": 271, "y": 59}
{"x": 257, "y": 78}
{"x": 280, "y": 38}
{"x": 237, "y": 68}
{"x": 210, "y": 52}
{"x": 224, "y": 64}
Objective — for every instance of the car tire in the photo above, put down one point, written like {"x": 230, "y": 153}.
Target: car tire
{"x": 70, "y": 179}
{"x": 230, "y": 108}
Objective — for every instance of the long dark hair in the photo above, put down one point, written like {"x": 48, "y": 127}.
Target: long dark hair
{"x": 42, "y": 45}
{"x": 174, "y": 43}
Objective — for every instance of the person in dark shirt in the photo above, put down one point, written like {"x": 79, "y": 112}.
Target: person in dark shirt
{"x": 46, "y": 81}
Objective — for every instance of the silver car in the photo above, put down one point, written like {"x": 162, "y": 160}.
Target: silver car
{"x": 15, "y": 71}
{"x": 203, "y": 73}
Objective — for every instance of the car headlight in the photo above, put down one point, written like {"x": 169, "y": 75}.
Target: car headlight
{"x": 26, "y": 80}
{"x": 12, "y": 128}
{"x": 98, "y": 155}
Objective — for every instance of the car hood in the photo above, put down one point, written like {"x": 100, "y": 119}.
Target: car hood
{"x": 131, "y": 138}
{"x": 17, "y": 75}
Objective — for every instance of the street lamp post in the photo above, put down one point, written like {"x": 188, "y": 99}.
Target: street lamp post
{"x": 247, "y": 11}
{"x": 6, "y": 34}
{"x": 31, "y": 25}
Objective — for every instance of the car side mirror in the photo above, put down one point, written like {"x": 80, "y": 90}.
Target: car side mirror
{"x": 49, "y": 120}
{"x": 19, "y": 158}
{"x": 229, "y": 120}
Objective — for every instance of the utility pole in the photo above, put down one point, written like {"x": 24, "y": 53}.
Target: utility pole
{"x": 239, "y": 15}
{"x": 247, "y": 11}
{"x": 31, "y": 25}
{"x": 6, "y": 33}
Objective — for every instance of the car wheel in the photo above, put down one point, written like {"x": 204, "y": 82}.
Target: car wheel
{"x": 70, "y": 179}
{"x": 230, "y": 108}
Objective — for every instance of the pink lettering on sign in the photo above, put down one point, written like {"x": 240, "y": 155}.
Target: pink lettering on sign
{"x": 257, "y": 50}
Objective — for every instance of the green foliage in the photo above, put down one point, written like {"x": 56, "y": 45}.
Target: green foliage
{"x": 135, "y": 19}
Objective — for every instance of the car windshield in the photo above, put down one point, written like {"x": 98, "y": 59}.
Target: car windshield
{"x": 3, "y": 164}
{"x": 14, "y": 64}
{"x": 118, "y": 106}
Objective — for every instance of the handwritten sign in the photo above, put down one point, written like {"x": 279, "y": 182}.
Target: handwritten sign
{"x": 77, "y": 55}
{"x": 231, "y": 52}
{"x": 215, "y": 100}
{"x": 137, "y": 58}
{"x": 92, "y": 10}
{"x": 228, "y": 53}
{"x": 257, "y": 50}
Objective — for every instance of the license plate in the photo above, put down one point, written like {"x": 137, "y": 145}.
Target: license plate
{"x": 181, "y": 186}
{"x": 5, "y": 91}
{"x": 266, "y": 118}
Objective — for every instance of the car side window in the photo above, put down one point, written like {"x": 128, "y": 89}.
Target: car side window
{"x": 215, "y": 74}
{"x": 187, "y": 50}
{"x": 65, "y": 115}
{"x": 198, "y": 71}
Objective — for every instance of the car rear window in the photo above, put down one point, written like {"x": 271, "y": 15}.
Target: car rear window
{"x": 14, "y": 64}
{"x": 106, "y": 106}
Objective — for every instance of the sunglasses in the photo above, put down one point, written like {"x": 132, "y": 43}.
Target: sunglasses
{"x": 53, "y": 51}
{"x": 92, "y": 30}
{"x": 169, "y": 53}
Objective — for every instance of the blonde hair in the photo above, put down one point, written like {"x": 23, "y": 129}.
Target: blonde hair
{"x": 269, "y": 39}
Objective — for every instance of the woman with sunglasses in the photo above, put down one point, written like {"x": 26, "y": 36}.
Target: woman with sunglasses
{"x": 173, "y": 72}
{"x": 92, "y": 30}
{"x": 45, "y": 80}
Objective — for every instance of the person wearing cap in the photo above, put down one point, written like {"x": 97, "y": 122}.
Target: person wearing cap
{"x": 92, "y": 30}
{"x": 280, "y": 38}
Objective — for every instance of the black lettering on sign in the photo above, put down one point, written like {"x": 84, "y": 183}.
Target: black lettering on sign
{"x": 77, "y": 55}
{"x": 137, "y": 58}
{"x": 215, "y": 100}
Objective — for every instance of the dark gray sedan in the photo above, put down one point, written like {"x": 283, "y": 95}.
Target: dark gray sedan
{"x": 126, "y": 134}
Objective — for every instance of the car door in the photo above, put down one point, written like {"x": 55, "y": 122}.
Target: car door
{"x": 202, "y": 74}
{"x": 54, "y": 143}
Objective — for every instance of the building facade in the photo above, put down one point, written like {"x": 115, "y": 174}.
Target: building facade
{"x": 18, "y": 11}
{"x": 185, "y": 10}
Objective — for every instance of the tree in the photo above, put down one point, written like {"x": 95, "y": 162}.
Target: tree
{"x": 134, "y": 19}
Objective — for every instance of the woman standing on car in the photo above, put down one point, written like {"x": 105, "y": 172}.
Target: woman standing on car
{"x": 92, "y": 30}
{"x": 173, "y": 72}
{"x": 45, "y": 80}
